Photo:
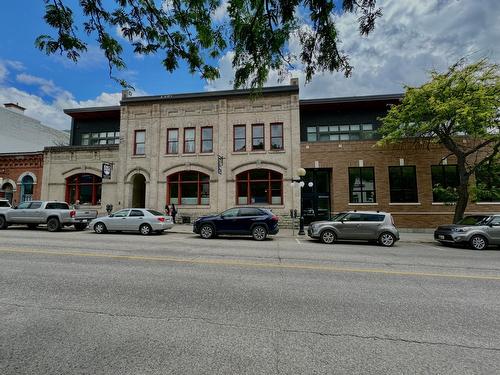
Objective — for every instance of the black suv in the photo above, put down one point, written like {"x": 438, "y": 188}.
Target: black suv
{"x": 259, "y": 222}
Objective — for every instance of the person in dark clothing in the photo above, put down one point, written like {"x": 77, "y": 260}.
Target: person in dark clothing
{"x": 167, "y": 210}
{"x": 173, "y": 212}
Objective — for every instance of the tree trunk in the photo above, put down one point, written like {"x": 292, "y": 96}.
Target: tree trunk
{"x": 462, "y": 190}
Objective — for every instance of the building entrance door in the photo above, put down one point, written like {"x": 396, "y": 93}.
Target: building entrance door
{"x": 8, "y": 191}
{"x": 138, "y": 191}
{"x": 316, "y": 200}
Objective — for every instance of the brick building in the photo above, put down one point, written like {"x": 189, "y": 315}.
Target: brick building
{"x": 203, "y": 152}
{"x": 21, "y": 176}
{"x": 349, "y": 171}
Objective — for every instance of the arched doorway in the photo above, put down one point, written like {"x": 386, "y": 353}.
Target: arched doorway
{"x": 138, "y": 191}
{"x": 26, "y": 189}
{"x": 8, "y": 191}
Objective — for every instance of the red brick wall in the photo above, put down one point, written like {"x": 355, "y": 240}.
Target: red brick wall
{"x": 340, "y": 156}
{"x": 12, "y": 166}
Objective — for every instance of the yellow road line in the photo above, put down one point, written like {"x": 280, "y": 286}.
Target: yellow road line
{"x": 238, "y": 263}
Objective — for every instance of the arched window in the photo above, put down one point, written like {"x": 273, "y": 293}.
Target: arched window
{"x": 27, "y": 188}
{"x": 85, "y": 188}
{"x": 7, "y": 191}
{"x": 259, "y": 186}
{"x": 188, "y": 188}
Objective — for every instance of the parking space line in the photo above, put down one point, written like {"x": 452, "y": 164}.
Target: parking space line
{"x": 298, "y": 241}
{"x": 238, "y": 263}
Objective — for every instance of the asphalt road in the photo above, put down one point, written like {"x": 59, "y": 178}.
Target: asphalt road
{"x": 81, "y": 303}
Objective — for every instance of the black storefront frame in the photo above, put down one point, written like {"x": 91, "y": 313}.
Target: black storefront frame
{"x": 312, "y": 197}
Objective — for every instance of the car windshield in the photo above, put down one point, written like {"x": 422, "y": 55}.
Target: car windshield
{"x": 156, "y": 213}
{"x": 473, "y": 220}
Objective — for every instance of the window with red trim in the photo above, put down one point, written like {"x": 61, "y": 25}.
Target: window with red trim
{"x": 172, "y": 141}
{"x": 277, "y": 136}
{"x": 259, "y": 186}
{"x": 207, "y": 139}
{"x": 140, "y": 142}
{"x": 188, "y": 188}
{"x": 258, "y": 137}
{"x": 85, "y": 188}
{"x": 189, "y": 140}
{"x": 239, "y": 138}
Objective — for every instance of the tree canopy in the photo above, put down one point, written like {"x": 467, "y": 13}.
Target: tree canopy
{"x": 459, "y": 109}
{"x": 258, "y": 31}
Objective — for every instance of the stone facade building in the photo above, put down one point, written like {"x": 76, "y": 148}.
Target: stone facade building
{"x": 203, "y": 152}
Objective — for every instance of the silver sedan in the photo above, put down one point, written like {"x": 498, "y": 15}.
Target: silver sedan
{"x": 143, "y": 220}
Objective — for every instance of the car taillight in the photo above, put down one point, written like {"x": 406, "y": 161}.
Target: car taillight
{"x": 72, "y": 213}
{"x": 162, "y": 219}
{"x": 392, "y": 221}
{"x": 274, "y": 218}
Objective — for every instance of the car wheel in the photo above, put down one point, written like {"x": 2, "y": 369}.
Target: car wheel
{"x": 386, "y": 239}
{"x": 32, "y": 226}
{"x": 145, "y": 229}
{"x": 328, "y": 236}
{"x": 259, "y": 233}
{"x": 3, "y": 222}
{"x": 207, "y": 231}
{"x": 53, "y": 225}
{"x": 100, "y": 228}
{"x": 478, "y": 242}
{"x": 80, "y": 227}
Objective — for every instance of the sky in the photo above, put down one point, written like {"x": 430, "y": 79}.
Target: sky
{"x": 412, "y": 38}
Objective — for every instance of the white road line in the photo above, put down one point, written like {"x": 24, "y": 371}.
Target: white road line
{"x": 298, "y": 241}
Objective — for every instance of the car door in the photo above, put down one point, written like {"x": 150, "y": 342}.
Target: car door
{"x": 19, "y": 214}
{"x": 348, "y": 226}
{"x": 493, "y": 230}
{"x": 117, "y": 220}
{"x": 134, "y": 220}
{"x": 34, "y": 213}
{"x": 227, "y": 222}
{"x": 247, "y": 217}
{"x": 369, "y": 226}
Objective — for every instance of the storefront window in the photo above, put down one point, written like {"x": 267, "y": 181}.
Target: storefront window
{"x": 259, "y": 186}
{"x": 188, "y": 188}
{"x": 362, "y": 185}
{"x": 403, "y": 184}
{"x": 85, "y": 188}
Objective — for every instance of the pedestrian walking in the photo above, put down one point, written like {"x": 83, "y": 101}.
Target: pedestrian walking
{"x": 173, "y": 212}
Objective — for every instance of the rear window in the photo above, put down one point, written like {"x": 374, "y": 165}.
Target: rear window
{"x": 4, "y": 204}
{"x": 372, "y": 217}
{"x": 57, "y": 206}
{"x": 156, "y": 213}
{"x": 250, "y": 212}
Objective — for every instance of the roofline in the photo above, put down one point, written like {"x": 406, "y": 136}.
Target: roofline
{"x": 350, "y": 99}
{"x": 212, "y": 94}
{"x": 91, "y": 109}
{"x": 20, "y": 153}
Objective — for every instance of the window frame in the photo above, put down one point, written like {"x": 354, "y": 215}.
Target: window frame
{"x": 140, "y": 143}
{"x": 211, "y": 140}
{"x": 444, "y": 178}
{"x": 282, "y": 136}
{"x": 95, "y": 184}
{"x": 374, "y": 190}
{"x": 169, "y": 141}
{"x": 413, "y": 189}
{"x": 244, "y": 137}
{"x": 239, "y": 180}
{"x": 186, "y": 140}
{"x": 263, "y": 137}
{"x": 180, "y": 182}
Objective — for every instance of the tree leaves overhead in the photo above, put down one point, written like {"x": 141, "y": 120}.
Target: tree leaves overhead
{"x": 258, "y": 31}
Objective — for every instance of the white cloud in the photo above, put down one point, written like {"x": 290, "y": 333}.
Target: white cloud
{"x": 411, "y": 38}
{"x": 220, "y": 13}
{"x": 49, "y": 112}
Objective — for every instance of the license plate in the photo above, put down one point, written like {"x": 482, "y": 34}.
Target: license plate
{"x": 441, "y": 237}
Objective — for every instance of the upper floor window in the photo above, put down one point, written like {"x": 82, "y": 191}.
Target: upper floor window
{"x": 257, "y": 137}
{"x": 444, "y": 177}
{"x": 353, "y": 132}
{"x": 101, "y": 138}
{"x": 277, "y": 136}
{"x": 403, "y": 184}
{"x": 239, "y": 138}
{"x": 189, "y": 140}
{"x": 140, "y": 142}
{"x": 207, "y": 139}
{"x": 362, "y": 185}
{"x": 172, "y": 141}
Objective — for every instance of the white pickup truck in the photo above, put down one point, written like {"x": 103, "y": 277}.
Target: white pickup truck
{"x": 55, "y": 214}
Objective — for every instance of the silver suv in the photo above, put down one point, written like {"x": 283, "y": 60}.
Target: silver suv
{"x": 356, "y": 225}
{"x": 478, "y": 231}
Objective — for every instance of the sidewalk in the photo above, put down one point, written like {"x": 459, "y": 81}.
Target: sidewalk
{"x": 406, "y": 236}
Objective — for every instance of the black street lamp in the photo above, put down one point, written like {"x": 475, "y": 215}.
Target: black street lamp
{"x": 301, "y": 172}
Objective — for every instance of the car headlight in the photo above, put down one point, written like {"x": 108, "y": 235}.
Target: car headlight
{"x": 460, "y": 230}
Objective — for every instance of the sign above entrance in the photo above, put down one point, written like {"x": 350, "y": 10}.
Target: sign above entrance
{"x": 106, "y": 170}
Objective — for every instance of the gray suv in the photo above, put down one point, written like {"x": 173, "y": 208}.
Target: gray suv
{"x": 478, "y": 231}
{"x": 356, "y": 225}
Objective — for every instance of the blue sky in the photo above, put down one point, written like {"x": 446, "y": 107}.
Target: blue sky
{"x": 412, "y": 37}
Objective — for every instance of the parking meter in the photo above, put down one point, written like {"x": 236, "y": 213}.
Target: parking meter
{"x": 109, "y": 208}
